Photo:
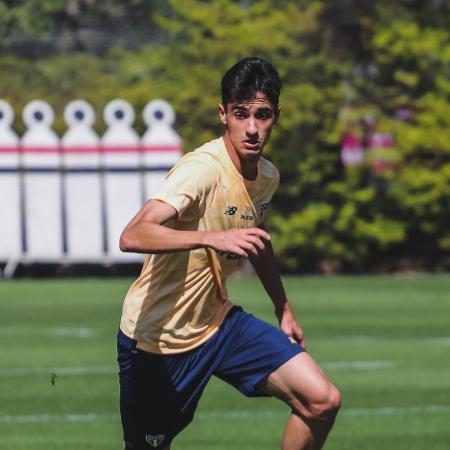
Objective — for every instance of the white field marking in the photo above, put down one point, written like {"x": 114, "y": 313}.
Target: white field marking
{"x": 73, "y": 332}
{"x": 443, "y": 341}
{"x": 355, "y": 339}
{"x": 353, "y": 412}
{"x": 361, "y": 340}
{"x": 84, "y": 333}
{"x": 358, "y": 365}
{"x": 397, "y": 410}
{"x": 35, "y": 418}
{"x": 228, "y": 415}
{"x": 68, "y": 371}
{"x": 108, "y": 370}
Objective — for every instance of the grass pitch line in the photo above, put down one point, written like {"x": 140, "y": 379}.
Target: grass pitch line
{"x": 87, "y": 333}
{"x": 228, "y": 415}
{"x": 358, "y": 365}
{"x": 353, "y": 412}
{"x": 37, "y": 418}
{"x": 74, "y": 332}
{"x": 396, "y": 410}
{"x": 443, "y": 341}
{"x": 70, "y": 332}
{"x": 108, "y": 370}
{"x": 67, "y": 371}
{"x": 363, "y": 340}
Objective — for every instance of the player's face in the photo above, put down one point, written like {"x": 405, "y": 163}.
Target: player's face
{"x": 249, "y": 123}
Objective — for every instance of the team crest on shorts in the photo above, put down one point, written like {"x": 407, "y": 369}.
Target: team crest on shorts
{"x": 154, "y": 439}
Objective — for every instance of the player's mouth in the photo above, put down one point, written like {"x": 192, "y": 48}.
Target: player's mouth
{"x": 252, "y": 145}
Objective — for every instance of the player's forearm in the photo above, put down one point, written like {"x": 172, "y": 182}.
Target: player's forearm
{"x": 266, "y": 268}
{"x": 154, "y": 238}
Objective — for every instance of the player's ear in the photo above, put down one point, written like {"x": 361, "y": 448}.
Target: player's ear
{"x": 222, "y": 114}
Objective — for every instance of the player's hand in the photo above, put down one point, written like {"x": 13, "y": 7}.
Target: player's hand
{"x": 290, "y": 326}
{"x": 242, "y": 241}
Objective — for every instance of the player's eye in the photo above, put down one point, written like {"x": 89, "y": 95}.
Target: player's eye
{"x": 240, "y": 114}
{"x": 264, "y": 115}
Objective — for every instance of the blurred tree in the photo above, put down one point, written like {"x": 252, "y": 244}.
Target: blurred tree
{"x": 361, "y": 220}
{"x": 413, "y": 60}
{"x": 34, "y": 28}
{"x": 387, "y": 59}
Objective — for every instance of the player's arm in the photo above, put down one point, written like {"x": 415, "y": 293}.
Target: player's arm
{"x": 146, "y": 233}
{"x": 265, "y": 266}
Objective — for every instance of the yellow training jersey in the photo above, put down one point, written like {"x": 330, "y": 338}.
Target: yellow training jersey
{"x": 180, "y": 299}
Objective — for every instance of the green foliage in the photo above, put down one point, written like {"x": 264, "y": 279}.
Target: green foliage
{"x": 357, "y": 219}
{"x": 375, "y": 57}
{"x": 29, "y": 17}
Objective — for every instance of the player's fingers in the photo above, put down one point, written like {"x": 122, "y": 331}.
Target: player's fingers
{"x": 300, "y": 338}
{"x": 239, "y": 251}
{"x": 257, "y": 242}
{"x": 249, "y": 246}
{"x": 259, "y": 232}
{"x": 299, "y": 332}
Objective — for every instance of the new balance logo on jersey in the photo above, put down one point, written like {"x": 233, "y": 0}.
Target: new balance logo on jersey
{"x": 154, "y": 440}
{"x": 230, "y": 211}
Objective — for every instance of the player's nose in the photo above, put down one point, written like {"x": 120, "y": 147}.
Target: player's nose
{"x": 252, "y": 128}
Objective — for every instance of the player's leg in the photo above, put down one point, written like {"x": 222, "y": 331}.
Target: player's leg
{"x": 313, "y": 398}
{"x": 146, "y": 417}
{"x": 149, "y": 406}
{"x": 159, "y": 393}
{"x": 261, "y": 360}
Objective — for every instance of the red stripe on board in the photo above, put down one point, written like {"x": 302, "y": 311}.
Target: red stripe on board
{"x": 121, "y": 149}
{"x": 36, "y": 149}
{"x": 81, "y": 149}
{"x": 161, "y": 148}
{"x": 91, "y": 149}
{"x": 9, "y": 149}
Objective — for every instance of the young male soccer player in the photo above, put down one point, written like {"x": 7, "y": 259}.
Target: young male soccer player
{"x": 178, "y": 326}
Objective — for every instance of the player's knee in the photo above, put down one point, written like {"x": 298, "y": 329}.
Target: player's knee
{"x": 328, "y": 405}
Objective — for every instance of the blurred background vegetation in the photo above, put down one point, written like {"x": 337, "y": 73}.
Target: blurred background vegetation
{"x": 342, "y": 62}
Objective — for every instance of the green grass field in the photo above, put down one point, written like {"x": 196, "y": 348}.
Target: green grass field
{"x": 385, "y": 341}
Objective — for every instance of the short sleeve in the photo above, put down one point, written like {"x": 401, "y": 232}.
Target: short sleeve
{"x": 189, "y": 188}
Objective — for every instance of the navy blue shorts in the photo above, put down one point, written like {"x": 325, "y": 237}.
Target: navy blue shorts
{"x": 159, "y": 393}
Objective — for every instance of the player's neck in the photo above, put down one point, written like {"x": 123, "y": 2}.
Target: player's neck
{"x": 247, "y": 168}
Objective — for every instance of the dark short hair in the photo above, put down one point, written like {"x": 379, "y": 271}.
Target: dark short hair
{"x": 249, "y": 76}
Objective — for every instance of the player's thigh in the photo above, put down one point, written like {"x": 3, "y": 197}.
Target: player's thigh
{"x": 302, "y": 384}
{"x": 149, "y": 408}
